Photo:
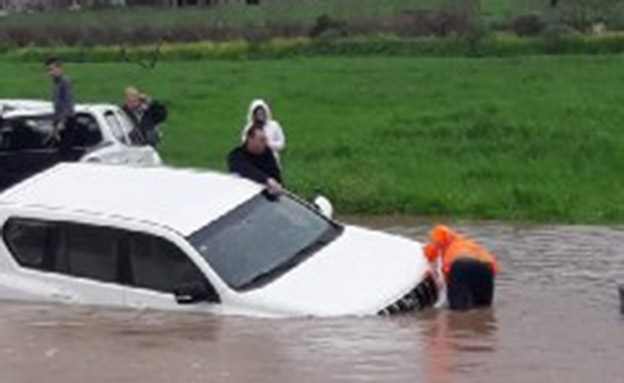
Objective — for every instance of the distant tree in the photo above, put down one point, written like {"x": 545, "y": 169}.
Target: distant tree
{"x": 582, "y": 14}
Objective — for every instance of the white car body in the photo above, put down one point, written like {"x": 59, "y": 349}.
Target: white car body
{"x": 357, "y": 272}
{"x": 116, "y": 145}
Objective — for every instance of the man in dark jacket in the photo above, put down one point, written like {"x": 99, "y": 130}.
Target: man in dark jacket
{"x": 146, "y": 114}
{"x": 63, "y": 103}
{"x": 254, "y": 160}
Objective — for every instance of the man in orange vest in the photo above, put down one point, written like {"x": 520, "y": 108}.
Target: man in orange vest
{"x": 467, "y": 267}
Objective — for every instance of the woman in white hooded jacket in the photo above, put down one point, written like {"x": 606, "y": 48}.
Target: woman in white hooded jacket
{"x": 260, "y": 113}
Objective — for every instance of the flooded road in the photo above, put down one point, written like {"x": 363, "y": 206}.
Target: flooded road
{"x": 556, "y": 319}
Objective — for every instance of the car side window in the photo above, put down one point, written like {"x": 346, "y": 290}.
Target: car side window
{"x": 100, "y": 253}
{"x": 88, "y": 252}
{"x": 115, "y": 127}
{"x": 88, "y": 131}
{"x": 28, "y": 240}
{"x": 79, "y": 250}
{"x": 159, "y": 265}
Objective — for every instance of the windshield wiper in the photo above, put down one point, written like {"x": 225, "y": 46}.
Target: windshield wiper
{"x": 268, "y": 275}
{"x": 302, "y": 254}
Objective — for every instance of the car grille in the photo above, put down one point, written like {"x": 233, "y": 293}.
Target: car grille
{"x": 425, "y": 294}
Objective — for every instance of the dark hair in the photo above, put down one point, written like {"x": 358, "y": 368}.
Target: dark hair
{"x": 253, "y": 129}
{"x": 53, "y": 61}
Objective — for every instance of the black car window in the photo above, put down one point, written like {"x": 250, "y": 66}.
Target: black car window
{"x": 88, "y": 252}
{"x": 27, "y": 241}
{"x": 100, "y": 253}
{"x": 35, "y": 133}
{"x": 25, "y": 133}
{"x": 74, "y": 249}
{"x": 159, "y": 265}
{"x": 88, "y": 132}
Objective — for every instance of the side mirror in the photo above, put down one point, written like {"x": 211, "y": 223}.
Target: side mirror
{"x": 195, "y": 292}
{"x": 324, "y": 205}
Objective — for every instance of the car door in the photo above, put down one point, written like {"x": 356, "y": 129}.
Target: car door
{"x": 127, "y": 148}
{"x": 23, "y": 148}
{"x": 117, "y": 151}
{"x": 141, "y": 152}
{"x": 157, "y": 267}
{"x": 77, "y": 263}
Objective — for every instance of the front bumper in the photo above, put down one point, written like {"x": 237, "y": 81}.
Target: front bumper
{"x": 424, "y": 295}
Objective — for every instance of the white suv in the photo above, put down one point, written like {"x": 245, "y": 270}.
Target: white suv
{"x": 104, "y": 135}
{"x": 180, "y": 239}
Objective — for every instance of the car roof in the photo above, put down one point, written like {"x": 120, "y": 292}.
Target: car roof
{"x": 10, "y": 108}
{"x": 183, "y": 200}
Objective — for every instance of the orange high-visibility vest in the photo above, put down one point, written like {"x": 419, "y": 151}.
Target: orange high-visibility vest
{"x": 450, "y": 246}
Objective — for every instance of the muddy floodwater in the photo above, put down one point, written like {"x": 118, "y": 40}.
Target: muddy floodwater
{"x": 556, "y": 319}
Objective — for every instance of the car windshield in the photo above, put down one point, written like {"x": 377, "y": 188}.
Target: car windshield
{"x": 262, "y": 239}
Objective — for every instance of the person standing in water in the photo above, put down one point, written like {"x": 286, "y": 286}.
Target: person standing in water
{"x": 468, "y": 268}
{"x": 260, "y": 116}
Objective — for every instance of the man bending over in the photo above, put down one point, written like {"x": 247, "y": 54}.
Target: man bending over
{"x": 254, "y": 160}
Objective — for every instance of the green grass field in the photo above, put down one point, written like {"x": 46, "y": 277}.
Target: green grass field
{"x": 537, "y": 138}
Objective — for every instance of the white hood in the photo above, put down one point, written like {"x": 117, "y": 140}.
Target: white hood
{"x": 254, "y": 104}
{"x": 274, "y": 132}
{"x": 360, "y": 273}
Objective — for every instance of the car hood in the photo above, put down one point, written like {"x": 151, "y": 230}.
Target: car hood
{"x": 359, "y": 273}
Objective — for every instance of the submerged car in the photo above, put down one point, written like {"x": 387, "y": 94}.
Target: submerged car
{"x": 173, "y": 239}
{"x": 104, "y": 135}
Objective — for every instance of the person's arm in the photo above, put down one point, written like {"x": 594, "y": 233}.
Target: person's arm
{"x": 157, "y": 112}
{"x": 63, "y": 107}
{"x": 275, "y": 168}
{"x": 66, "y": 100}
{"x": 277, "y": 139}
{"x": 57, "y": 102}
{"x": 495, "y": 267}
{"x": 244, "y": 134}
{"x": 431, "y": 252}
{"x": 238, "y": 164}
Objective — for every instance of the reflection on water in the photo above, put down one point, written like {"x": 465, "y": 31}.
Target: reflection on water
{"x": 556, "y": 319}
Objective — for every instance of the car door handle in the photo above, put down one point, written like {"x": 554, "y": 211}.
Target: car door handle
{"x": 64, "y": 297}
{"x": 138, "y": 305}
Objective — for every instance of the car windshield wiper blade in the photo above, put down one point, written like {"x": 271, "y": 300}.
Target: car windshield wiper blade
{"x": 321, "y": 241}
{"x": 267, "y": 275}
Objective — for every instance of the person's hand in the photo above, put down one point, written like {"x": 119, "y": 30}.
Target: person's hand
{"x": 274, "y": 187}
{"x": 430, "y": 251}
{"x": 55, "y": 135}
{"x": 145, "y": 98}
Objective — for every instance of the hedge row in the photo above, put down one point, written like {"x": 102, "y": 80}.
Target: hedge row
{"x": 472, "y": 46}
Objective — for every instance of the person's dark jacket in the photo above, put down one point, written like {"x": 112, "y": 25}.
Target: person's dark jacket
{"x": 256, "y": 167}
{"x": 147, "y": 119}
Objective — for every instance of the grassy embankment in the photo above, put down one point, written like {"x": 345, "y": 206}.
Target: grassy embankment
{"x": 536, "y": 138}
